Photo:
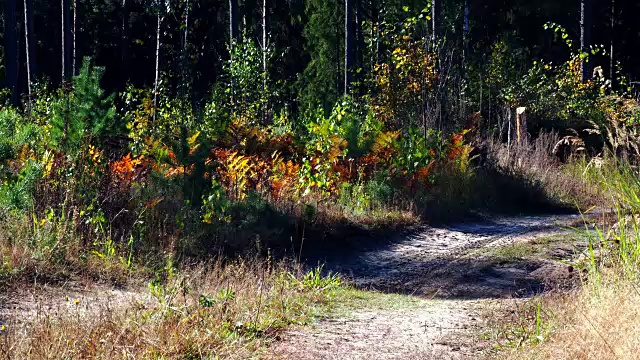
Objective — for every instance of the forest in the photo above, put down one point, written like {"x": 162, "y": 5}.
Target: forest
{"x": 216, "y": 170}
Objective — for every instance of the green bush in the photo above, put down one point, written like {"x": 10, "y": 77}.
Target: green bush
{"x": 17, "y": 192}
{"x": 83, "y": 112}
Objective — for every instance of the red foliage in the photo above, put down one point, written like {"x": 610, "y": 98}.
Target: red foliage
{"x": 129, "y": 170}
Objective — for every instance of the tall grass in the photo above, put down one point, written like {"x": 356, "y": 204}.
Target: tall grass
{"x": 220, "y": 308}
{"x": 531, "y": 167}
{"x": 601, "y": 318}
{"x": 622, "y": 240}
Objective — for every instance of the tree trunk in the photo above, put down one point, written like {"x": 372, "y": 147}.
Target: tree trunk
{"x": 521, "y": 125}
{"x": 11, "y": 50}
{"x": 585, "y": 34}
{"x": 349, "y": 43}
{"x": 124, "y": 43}
{"x": 265, "y": 74}
{"x": 27, "y": 44}
{"x": 184, "y": 66}
{"x": 157, "y": 77}
{"x": 339, "y": 62}
{"x": 233, "y": 21}
{"x": 233, "y": 36}
{"x": 435, "y": 19}
{"x": 32, "y": 43}
{"x": 66, "y": 40}
{"x": 436, "y": 32}
{"x": 360, "y": 45}
{"x": 264, "y": 45}
{"x": 465, "y": 34}
{"x": 186, "y": 27}
{"x": 74, "y": 66}
{"x": 375, "y": 32}
{"x": 613, "y": 28}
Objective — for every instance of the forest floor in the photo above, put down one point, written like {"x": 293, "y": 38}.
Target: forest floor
{"x": 429, "y": 293}
{"x": 435, "y": 293}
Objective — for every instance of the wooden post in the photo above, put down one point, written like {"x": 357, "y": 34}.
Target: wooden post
{"x": 509, "y": 111}
{"x": 521, "y": 124}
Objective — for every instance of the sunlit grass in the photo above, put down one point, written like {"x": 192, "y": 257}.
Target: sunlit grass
{"x": 215, "y": 310}
{"x": 599, "y": 320}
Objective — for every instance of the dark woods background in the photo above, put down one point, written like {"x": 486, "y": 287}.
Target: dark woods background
{"x": 306, "y": 36}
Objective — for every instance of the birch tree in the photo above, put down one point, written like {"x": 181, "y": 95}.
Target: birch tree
{"x": 349, "y": 43}
{"x": 66, "y": 40}
{"x": 28, "y": 43}
{"x": 264, "y": 45}
{"x": 233, "y": 21}
{"x": 124, "y": 42}
{"x": 74, "y": 65}
{"x": 585, "y": 34}
{"x": 162, "y": 8}
{"x": 613, "y": 31}
{"x": 184, "y": 61}
{"x": 11, "y": 49}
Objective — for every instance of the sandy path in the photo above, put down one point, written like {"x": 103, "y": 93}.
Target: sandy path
{"x": 439, "y": 329}
{"x": 28, "y": 302}
{"x": 454, "y": 290}
{"x": 459, "y": 289}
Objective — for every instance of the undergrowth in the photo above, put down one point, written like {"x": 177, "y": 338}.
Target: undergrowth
{"x": 218, "y": 309}
{"x": 598, "y": 319}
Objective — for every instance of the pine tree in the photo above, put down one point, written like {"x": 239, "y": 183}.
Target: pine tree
{"x": 324, "y": 44}
{"x": 85, "y": 112}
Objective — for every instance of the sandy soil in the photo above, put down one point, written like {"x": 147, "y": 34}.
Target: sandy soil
{"x": 28, "y": 302}
{"x": 459, "y": 288}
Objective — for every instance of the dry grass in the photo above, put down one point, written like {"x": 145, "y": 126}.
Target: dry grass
{"x": 589, "y": 325}
{"x": 532, "y": 163}
{"x": 601, "y": 319}
{"x": 223, "y": 308}
{"x": 31, "y": 247}
{"x": 217, "y": 310}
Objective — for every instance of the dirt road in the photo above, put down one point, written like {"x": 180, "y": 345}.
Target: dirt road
{"x": 457, "y": 277}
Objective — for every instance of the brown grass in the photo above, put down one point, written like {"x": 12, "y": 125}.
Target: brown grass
{"x": 223, "y": 308}
{"x": 589, "y": 325}
{"x": 214, "y": 310}
{"x": 51, "y": 249}
{"x": 533, "y": 163}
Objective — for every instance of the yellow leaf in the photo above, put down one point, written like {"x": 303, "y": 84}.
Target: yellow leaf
{"x": 191, "y": 140}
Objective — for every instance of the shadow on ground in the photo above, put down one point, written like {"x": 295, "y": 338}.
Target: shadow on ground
{"x": 452, "y": 261}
